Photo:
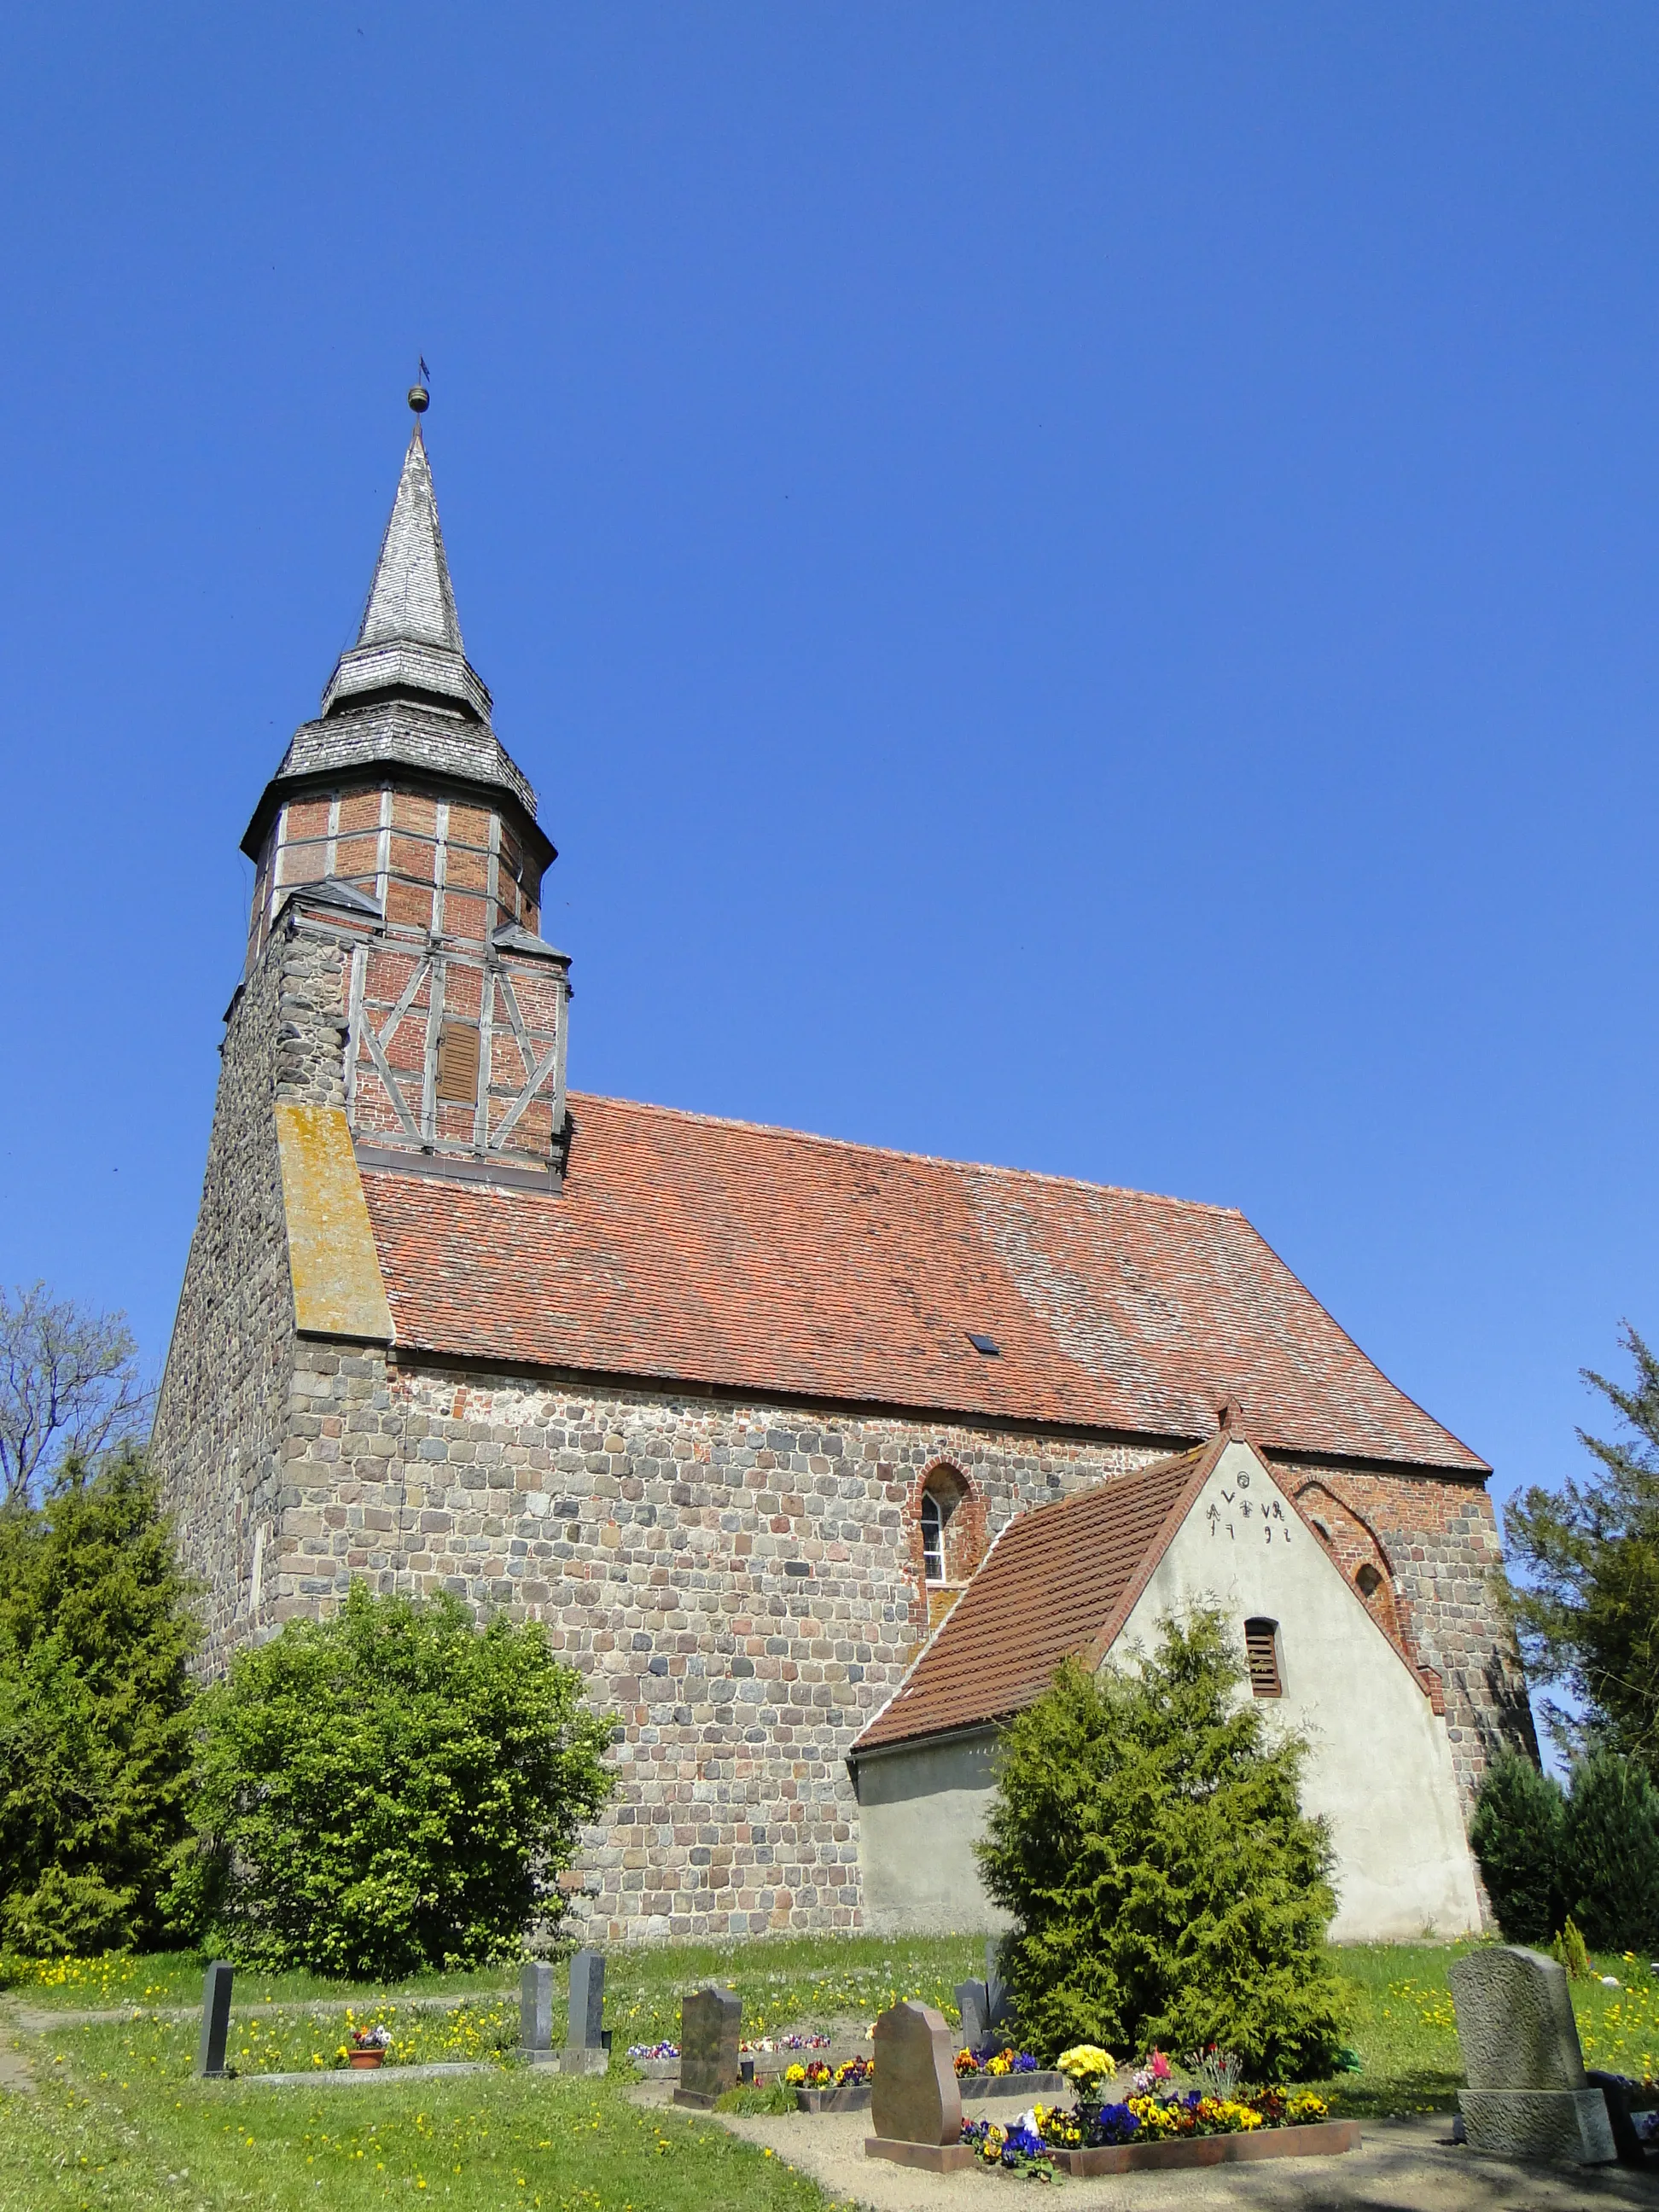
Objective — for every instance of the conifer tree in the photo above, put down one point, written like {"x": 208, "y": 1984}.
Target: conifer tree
{"x": 1516, "y": 1835}
{"x": 1610, "y": 1853}
{"x": 1148, "y": 1838}
{"x": 95, "y": 1637}
{"x": 1588, "y": 1606}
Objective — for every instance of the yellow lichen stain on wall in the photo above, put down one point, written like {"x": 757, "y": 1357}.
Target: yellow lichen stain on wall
{"x": 338, "y": 1287}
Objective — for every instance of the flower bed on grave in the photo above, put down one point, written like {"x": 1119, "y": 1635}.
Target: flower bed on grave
{"x": 822, "y": 2089}
{"x": 1158, "y": 2126}
{"x": 993, "y": 2065}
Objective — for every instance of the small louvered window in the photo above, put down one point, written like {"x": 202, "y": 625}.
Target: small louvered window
{"x": 458, "y": 1063}
{"x": 1261, "y": 1651}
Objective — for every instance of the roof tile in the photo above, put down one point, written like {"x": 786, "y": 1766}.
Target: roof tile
{"x": 1053, "y": 1587}
{"x": 683, "y": 1249}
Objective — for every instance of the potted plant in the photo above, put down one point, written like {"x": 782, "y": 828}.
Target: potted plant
{"x": 1087, "y": 2067}
{"x": 368, "y": 2048}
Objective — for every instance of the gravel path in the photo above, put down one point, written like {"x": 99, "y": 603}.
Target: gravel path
{"x": 1401, "y": 2165}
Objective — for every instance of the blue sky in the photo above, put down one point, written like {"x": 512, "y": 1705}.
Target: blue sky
{"x": 1078, "y": 584}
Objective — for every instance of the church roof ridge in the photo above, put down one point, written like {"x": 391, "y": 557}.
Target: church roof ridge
{"x": 780, "y": 1130}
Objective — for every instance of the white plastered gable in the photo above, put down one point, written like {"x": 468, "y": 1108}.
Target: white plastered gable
{"x": 1379, "y": 1767}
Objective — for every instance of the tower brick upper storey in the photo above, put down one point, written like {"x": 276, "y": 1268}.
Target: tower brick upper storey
{"x": 398, "y": 822}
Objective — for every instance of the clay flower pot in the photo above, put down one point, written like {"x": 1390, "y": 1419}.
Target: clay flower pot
{"x": 365, "y": 2061}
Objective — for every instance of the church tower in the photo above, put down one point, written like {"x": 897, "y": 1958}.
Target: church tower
{"x": 398, "y": 825}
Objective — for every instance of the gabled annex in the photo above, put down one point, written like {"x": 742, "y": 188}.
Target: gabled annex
{"x": 1091, "y": 1578}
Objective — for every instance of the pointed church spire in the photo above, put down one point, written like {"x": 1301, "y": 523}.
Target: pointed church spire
{"x": 411, "y": 596}
{"x": 409, "y": 644}
{"x": 405, "y": 708}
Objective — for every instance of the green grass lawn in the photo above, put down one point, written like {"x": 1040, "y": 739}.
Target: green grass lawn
{"x": 514, "y": 2141}
{"x": 118, "y": 2120}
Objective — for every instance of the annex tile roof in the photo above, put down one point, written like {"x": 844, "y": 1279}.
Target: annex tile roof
{"x": 685, "y": 1248}
{"x": 1058, "y": 1583}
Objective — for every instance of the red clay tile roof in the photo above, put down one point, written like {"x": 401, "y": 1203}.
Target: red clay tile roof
{"x": 1058, "y": 1583}
{"x": 683, "y": 1249}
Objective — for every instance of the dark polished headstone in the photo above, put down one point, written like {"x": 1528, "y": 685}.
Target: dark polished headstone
{"x": 586, "y": 2001}
{"x": 535, "y": 2005}
{"x": 916, "y": 2099}
{"x": 216, "y": 2020}
{"x": 711, "y": 2027}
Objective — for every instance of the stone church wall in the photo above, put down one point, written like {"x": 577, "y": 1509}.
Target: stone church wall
{"x": 223, "y": 1401}
{"x": 739, "y": 1584}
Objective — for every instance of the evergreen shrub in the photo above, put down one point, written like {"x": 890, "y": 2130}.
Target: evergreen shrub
{"x": 1516, "y": 1836}
{"x": 1610, "y": 1853}
{"x": 1147, "y": 1836}
{"x": 389, "y": 1790}
{"x": 96, "y": 1633}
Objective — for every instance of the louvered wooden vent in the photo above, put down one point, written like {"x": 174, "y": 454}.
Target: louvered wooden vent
{"x": 458, "y": 1064}
{"x": 1262, "y": 1650}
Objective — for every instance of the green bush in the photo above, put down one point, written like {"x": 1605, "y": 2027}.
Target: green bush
{"x": 1147, "y": 1836}
{"x": 1516, "y": 1835}
{"x": 389, "y": 1790}
{"x": 1610, "y": 1853}
{"x": 95, "y": 1634}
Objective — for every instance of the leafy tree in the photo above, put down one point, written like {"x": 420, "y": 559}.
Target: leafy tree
{"x": 1610, "y": 1853}
{"x": 95, "y": 1635}
{"x": 69, "y": 1387}
{"x": 390, "y": 1790}
{"x": 1516, "y": 1835}
{"x": 1587, "y": 1609}
{"x": 1147, "y": 1836}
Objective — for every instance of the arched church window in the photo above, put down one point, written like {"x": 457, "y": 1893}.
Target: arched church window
{"x": 1369, "y": 1581}
{"x": 932, "y": 1537}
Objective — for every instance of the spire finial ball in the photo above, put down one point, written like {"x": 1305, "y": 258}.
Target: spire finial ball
{"x": 419, "y": 399}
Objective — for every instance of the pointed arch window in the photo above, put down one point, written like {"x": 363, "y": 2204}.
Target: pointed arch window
{"x": 932, "y": 1537}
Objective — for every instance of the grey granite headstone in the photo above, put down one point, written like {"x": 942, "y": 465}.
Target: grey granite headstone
{"x": 1527, "y": 2094}
{"x": 976, "y": 2015}
{"x": 216, "y": 2020}
{"x": 535, "y": 2007}
{"x": 914, "y": 2097}
{"x": 711, "y": 2027}
{"x": 999, "y": 2005}
{"x": 586, "y": 2001}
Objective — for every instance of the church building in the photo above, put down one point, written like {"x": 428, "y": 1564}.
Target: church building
{"x": 813, "y": 1458}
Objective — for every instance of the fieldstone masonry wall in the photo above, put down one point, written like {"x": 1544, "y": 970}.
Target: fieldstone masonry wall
{"x": 222, "y": 1411}
{"x": 734, "y": 1580}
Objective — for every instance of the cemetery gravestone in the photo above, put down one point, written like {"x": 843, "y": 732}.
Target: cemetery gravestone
{"x": 711, "y": 2025}
{"x": 915, "y": 2104}
{"x": 975, "y": 2014}
{"x": 536, "y": 2013}
{"x": 585, "y": 2046}
{"x": 999, "y": 2007}
{"x": 216, "y": 2021}
{"x": 1527, "y": 2095}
